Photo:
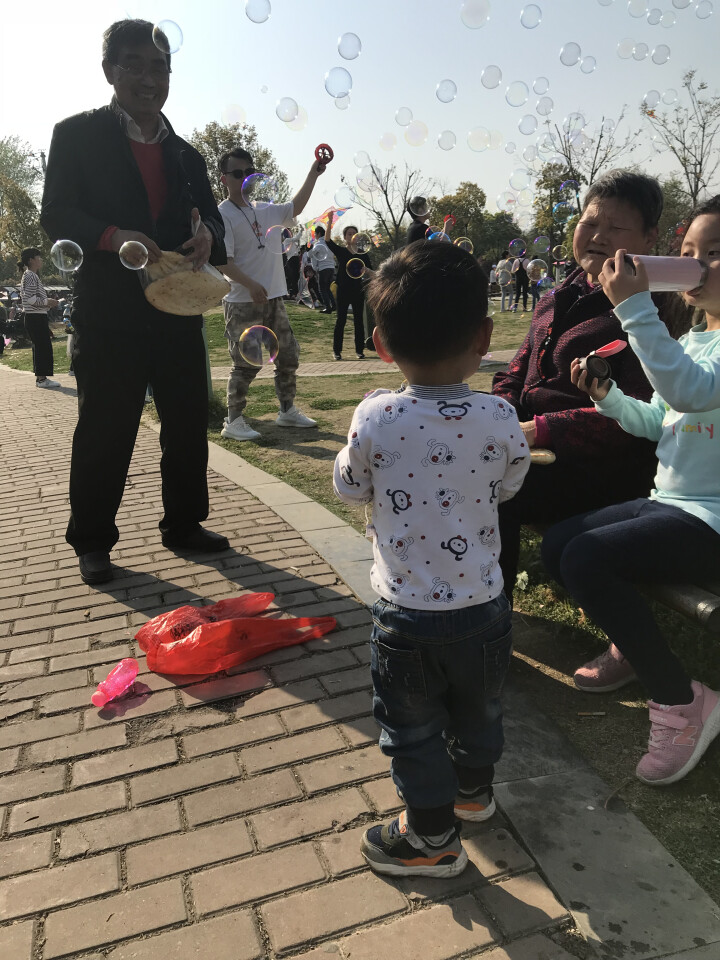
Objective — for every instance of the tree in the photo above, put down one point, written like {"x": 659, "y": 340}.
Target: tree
{"x": 217, "y": 138}
{"x": 556, "y": 210}
{"x": 586, "y": 153}
{"x": 18, "y": 166}
{"x": 385, "y": 194}
{"x": 498, "y": 229}
{"x": 676, "y": 207}
{"x": 467, "y": 205}
{"x": 19, "y": 225}
{"x": 689, "y": 133}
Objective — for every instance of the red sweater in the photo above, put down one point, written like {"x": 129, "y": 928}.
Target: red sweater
{"x": 150, "y": 161}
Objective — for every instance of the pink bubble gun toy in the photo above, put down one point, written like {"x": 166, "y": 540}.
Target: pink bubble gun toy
{"x": 596, "y": 364}
{"x": 120, "y": 679}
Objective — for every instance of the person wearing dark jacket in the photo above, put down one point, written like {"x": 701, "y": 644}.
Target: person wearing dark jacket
{"x": 350, "y": 292}
{"x": 597, "y": 464}
{"x": 115, "y": 174}
{"x": 418, "y": 210}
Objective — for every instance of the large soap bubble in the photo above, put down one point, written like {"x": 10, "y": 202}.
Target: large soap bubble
{"x": 361, "y": 243}
{"x": 491, "y": 77}
{"x": 361, "y": 158}
{"x": 661, "y": 54}
{"x": 570, "y": 53}
{"x": 640, "y": 51}
{"x": 355, "y": 268}
{"x": 280, "y": 239}
{"x": 258, "y": 345}
{"x": 349, "y": 46}
{"x": 66, "y": 255}
{"x": 654, "y": 16}
{"x": 286, "y": 109}
{"x": 403, "y": 116}
{"x": 342, "y": 103}
{"x": 637, "y": 8}
{"x": 668, "y": 19}
{"x": 257, "y": 10}
{"x": 418, "y": 207}
{"x": 520, "y": 178}
{"x": 588, "y": 64}
{"x": 517, "y": 247}
{"x": 536, "y": 270}
{"x": 387, "y": 141}
{"x": 651, "y": 99}
{"x": 344, "y": 196}
{"x": 506, "y": 201}
{"x": 528, "y": 125}
{"x": 478, "y": 139}
{"x": 670, "y": 96}
{"x": 517, "y": 93}
{"x": 259, "y": 190}
{"x": 167, "y": 36}
{"x": 625, "y": 48}
{"x": 475, "y": 13}
{"x": 446, "y": 91}
{"x": 447, "y": 140}
{"x": 416, "y": 133}
{"x": 338, "y": 82}
{"x": 544, "y": 106}
{"x": 541, "y": 85}
{"x": 704, "y": 9}
{"x": 531, "y": 16}
{"x": 133, "y": 255}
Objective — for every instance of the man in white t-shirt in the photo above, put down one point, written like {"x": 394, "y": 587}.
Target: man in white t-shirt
{"x": 255, "y": 269}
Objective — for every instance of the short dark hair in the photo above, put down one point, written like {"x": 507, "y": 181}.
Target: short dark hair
{"x": 237, "y": 153}
{"x": 28, "y": 254}
{"x": 319, "y": 231}
{"x": 127, "y": 33}
{"x": 504, "y": 254}
{"x": 639, "y": 191}
{"x": 710, "y": 206}
{"x": 429, "y": 300}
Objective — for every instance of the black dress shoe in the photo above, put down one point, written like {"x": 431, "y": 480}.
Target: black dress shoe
{"x": 95, "y": 567}
{"x": 200, "y": 539}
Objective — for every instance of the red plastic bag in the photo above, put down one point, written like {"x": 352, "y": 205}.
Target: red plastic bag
{"x": 204, "y": 640}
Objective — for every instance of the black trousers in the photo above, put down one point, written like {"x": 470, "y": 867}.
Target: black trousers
{"x": 522, "y": 284}
{"x": 292, "y": 275}
{"x": 346, "y": 297}
{"x": 114, "y": 363}
{"x": 325, "y": 278}
{"x": 38, "y": 330}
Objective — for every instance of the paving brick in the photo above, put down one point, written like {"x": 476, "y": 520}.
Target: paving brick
{"x": 64, "y": 808}
{"x": 335, "y": 708}
{"x": 19, "y": 671}
{"x": 383, "y": 794}
{"x": 67, "y": 700}
{"x": 31, "y": 731}
{"x": 41, "y": 685}
{"x": 31, "y": 783}
{"x": 522, "y": 905}
{"x": 169, "y": 726}
{"x": 337, "y": 683}
{"x": 233, "y": 735}
{"x": 9, "y": 759}
{"x": 342, "y": 850}
{"x": 340, "y": 638}
{"x": 26, "y": 853}
{"x": 13, "y": 709}
{"x": 104, "y": 655}
{"x": 329, "y": 910}
{"x": 361, "y": 730}
{"x": 445, "y": 931}
{"x": 16, "y": 941}
{"x": 93, "y": 629}
{"x": 346, "y": 768}
{"x": 296, "y": 820}
{"x": 241, "y": 796}
{"x": 58, "y": 886}
{"x": 187, "y": 851}
{"x": 256, "y": 878}
{"x": 114, "y": 918}
{"x": 131, "y": 708}
{"x": 313, "y": 665}
{"x": 118, "y": 829}
{"x": 278, "y": 753}
{"x": 541, "y": 948}
{"x": 78, "y": 744}
{"x": 120, "y": 763}
{"x": 44, "y": 650}
{"x": 223, "y": 688}
{"x": 278, "y": 697}
{"x": 183, "y": 777}
{"x": 233, "y": 936}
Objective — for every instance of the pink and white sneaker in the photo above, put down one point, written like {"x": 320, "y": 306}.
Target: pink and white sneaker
{"x": 679, "y": 736}
{"x": 609, "y": 671}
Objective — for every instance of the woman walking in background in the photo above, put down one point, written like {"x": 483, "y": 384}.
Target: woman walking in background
{"x": 36, "y": 304}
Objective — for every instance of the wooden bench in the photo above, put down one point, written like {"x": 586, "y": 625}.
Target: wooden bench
{"x": 699, "y": 602}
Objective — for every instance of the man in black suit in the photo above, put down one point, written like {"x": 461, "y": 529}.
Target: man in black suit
{"x": 115, "y": 174}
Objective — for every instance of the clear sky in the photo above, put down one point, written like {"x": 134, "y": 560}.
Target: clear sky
{"x": 50, "y": 68}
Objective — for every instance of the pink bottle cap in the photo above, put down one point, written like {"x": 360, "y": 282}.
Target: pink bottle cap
{"x": 99, "y": 698}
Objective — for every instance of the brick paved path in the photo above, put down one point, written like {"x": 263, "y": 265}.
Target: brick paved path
{"x": 203, "y": 818}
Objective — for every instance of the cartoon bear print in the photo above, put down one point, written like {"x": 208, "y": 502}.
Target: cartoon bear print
{"x": 502, "y": 411}
{"x": 347, "y": 475}
{"x": 494, "y": 484}
{"x": 457, "y": 546}
{"x": 486, "y": 574}
{"x": 487, "y": 535}
{"x": 437, "y": 453}
{"x": 447, "y": 500}
{"x": 491, "y": 451}
{"x": 400, "y": 500}
{"x": 440, "y": 592}
{"x": 453, "y": 411}
{"x": 391, "y": 411}
{"x": 400, "y": 546}
{"x": 395, "y": 582}
{"x": 383, "y": 458}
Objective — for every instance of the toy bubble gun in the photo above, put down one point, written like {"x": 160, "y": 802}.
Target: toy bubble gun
{"x": 596, "y": 364}
{"x": 120, "y": 679}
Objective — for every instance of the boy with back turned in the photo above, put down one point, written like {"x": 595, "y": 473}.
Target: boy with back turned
{"x": 434, "y": 459}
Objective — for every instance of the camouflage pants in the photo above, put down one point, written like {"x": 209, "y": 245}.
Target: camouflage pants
{"x": 240, "y": 316}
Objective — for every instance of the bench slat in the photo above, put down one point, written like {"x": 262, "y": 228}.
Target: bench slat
{"x": 690, "y": 600}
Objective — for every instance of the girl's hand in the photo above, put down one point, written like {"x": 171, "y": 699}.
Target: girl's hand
{"x": 618, "y": 280}
{"x": 594, "y": 389}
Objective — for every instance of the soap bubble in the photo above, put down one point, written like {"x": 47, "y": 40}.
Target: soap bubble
{"x": 361, "y": 243}
{"x": 416, "y": 133}
{"x": 681, "y": 4}
{"x": 544, "y": 106}
{"x": 531, "y": 16}
{"x": 387, "y": 141}
{"x": 640, "y": 51}
{"x": 496, "y": 139}
{"x": 559, "y": 252}
{"x": 491, "y": 77}
{"x": 525, "y": 197}
{"x": 257, "y": 10}
{"x": 478, "y": 139}
{"x": 573, "y": 124}
{"x": 361, "y": 158}
{"x": 345, "y": 196}
{"x": 637, "y": 8}
{"x": 670, "y": 96}
{"x": 517, "y": 94}
{"x": 654, "y": 16}
{"x": 465, "y": 243}
{"x": 258, "y": 345}
{"x": 355, "y": 268}
{"x": 475, "y": 13}
{"x": 279, "y": 239}
{"x": 446, "y": 91}
{"x": 570, "y": 54}
{"x": 342, "y": 103}
{"x": 418, "y": 207}
{"x": 651, "y": 99}
{"x": 605, "y": 3}
{"x": 338, "y": 82}
{"x": 563, "y": 211}
{"x": 504, "y": 278}
{"x": 259, "y": 190}
{"x": 520, "y": 178}
{"x": 541, "y": 85}
{"x": 517, "y": 247}
{"x": 540, "y": 245}
{"x": 529, "y": 153}
{"x": 546, "y": 146}
{"x": 510, "y": 147}
{"x": 300, "y": 121}
{"x": 366, "y": 179}
{"x": 545, "y": 284}
{"x": 516, "y": 265}
{"x": 66, "y": 255}
{"x": 588, "y": 64}
{"x": 167, "y": 36}
{"x": 661, "y": 54}
{"x": 668, "y": 19}
{"x": 349, "y": 46}
{"x": 403, "y": 116}
{"x": 569, "y": 189}
{"x": 234, "y": 113}
{"x": 704, "y": 10}
{"x": 506, "y": 201}
{"x": 133, "y": 255}
{"x": 286, "y": 109}
{"x": 447, "y": 140}
{"x": 263, "y": 88}
{"x": 435, "y": 233}
{"x": 625, "y": 48}
{"x": 528, "y": 124}
{"x": 536, "y": 270}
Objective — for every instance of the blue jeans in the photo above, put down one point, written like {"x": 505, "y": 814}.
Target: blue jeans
{"x": 437, "y": 679}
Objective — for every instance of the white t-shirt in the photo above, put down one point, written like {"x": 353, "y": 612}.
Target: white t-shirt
{"x": 265, "y": 265}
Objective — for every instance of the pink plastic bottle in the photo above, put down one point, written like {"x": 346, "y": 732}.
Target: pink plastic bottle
{"x": 117, "y": 682}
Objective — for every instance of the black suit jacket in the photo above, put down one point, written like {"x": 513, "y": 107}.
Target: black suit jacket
{"x": 93, "y": 182}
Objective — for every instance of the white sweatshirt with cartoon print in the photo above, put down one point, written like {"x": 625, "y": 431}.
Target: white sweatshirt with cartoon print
{"x": 435, "y": 462}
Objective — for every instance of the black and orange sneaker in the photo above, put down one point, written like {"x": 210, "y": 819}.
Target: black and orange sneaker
{"x": 476, "y": 806}
{"x": 394, "y": 848}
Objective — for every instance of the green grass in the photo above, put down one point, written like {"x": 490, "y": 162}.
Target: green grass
{"x": 20, "y": 358}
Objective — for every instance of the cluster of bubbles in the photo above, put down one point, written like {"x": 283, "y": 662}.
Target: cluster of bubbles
{"x": 667, "y": 18}
{"x": 571, "y": 55}
{"x": 653, "y": 98}
{"x": 258, "y": 344}
{"x": 66, "y": 255}
{"x": 629, "y": 48}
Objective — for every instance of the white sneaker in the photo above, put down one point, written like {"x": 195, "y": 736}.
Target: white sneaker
{"x": 239, "y": 430}
{"x": 47, "y": 384}
{"x": 294, "y": 418}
